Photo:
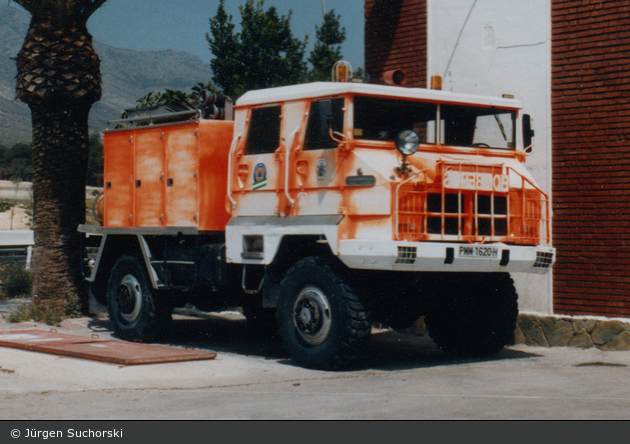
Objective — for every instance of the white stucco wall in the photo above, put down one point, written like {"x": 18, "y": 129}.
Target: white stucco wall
{"x": 495, "y": 47}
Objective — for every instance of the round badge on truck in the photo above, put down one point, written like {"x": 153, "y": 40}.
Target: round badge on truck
{"x": 322, "y": 166}
{"x": 260, "y": 177}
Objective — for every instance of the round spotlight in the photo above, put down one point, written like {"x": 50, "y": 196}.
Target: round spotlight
{"x": 407, "y": 142}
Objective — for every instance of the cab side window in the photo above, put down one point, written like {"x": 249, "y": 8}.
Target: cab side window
{"x": 264, "y": 130}
{"x": 325, "y": 114}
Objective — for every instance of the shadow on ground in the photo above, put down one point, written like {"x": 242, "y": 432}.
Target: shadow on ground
{"x": 228, "y": 333}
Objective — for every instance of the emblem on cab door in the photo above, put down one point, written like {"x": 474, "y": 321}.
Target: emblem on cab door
{"x": 260, "y": 177}
{"x": 322, "y": 165}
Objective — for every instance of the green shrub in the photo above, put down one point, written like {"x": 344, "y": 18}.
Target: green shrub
{"x": 73, "y": 309}
{"x": 5, "y": 205}
{"x": 29, "y": 312}
{"x": 16, "y": 281}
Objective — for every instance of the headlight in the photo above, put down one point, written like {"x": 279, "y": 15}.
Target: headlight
{"x": 407, "y": 142}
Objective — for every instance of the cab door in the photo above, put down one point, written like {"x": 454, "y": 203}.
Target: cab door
{"x": 257, "y": 172}
{"x": 317, "y": 162}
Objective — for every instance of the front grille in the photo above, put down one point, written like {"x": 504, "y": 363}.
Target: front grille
{"x": 407, "y": 255}
{"x": 450, "y": 214}
{"x": 487, "y": 215}
{"x": 473, "y": 203}
{"x": 543, "y": 260}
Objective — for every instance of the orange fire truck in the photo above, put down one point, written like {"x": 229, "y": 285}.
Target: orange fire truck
{"x": 322, "y": 208}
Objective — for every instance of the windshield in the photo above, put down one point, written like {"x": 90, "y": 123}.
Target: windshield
{"x": 383, "y": 119}
{"x": 459, "y": 125}
{"x": 477, "y": 127}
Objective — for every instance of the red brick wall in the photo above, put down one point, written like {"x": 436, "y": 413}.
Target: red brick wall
{"x": 591, "y": 156}
{"x": 396, "y": 38}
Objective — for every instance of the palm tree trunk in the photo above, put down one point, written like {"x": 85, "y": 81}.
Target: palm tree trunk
{"x": 60, "y": 153}
{"x": 59, "y": 78}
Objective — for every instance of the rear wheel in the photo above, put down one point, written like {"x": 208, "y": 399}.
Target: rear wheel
{"x": 323, "y": 324}
{"x": 134, "y": 308}
{"x": 474, "y": 314}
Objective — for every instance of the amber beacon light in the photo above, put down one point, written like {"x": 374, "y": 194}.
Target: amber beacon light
{"x": 436, "y": 82}
{"x": 342, "y": 72}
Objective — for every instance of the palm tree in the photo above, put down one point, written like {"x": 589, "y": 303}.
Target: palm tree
{"x": 59, "y": 79}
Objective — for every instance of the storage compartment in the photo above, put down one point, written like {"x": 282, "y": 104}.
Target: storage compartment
{"x": 168, "y": 176}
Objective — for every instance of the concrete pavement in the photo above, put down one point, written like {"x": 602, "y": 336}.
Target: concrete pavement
{"x": 404, "y": 377}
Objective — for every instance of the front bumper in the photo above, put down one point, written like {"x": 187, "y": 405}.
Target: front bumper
{"x": 445, "y": 257}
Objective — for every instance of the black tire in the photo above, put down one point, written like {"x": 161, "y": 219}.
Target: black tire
{"x": 474, "y": 315}
{"x": 134, "y": 309}
{"x": 322, "y": 323}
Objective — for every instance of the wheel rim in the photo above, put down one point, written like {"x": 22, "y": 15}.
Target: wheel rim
{"x": 129, "y": 298}
{"x": 312, "y": 316}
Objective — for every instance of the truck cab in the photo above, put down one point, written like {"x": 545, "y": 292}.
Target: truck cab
{"x": 391, "y": 178}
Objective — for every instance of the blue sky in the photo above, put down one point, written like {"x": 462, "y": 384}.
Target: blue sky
{"x": 178, "y": 24}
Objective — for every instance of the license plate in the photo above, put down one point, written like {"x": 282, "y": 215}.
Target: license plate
{"x": 479, "y": 252}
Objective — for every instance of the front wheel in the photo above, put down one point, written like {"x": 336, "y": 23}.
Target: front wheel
{"x": 322, "y": 322}
{"x": 134, "y": 309}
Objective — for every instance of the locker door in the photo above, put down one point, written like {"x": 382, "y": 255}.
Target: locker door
{"x": 182, "y": 172}
{"x": 119, "y": 174}
{"x": 149, "y": 180}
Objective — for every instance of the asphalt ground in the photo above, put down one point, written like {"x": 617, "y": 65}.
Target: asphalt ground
{"x": 253, "y": 378}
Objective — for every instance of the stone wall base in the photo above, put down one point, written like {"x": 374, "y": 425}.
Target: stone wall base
{"x": 565, "y": 331}
{"x": 562, "y": 331}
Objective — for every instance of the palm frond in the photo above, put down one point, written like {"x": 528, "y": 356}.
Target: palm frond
{"x": 79, "y": 10}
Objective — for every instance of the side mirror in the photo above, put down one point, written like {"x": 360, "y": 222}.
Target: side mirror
{"x": 528, "y": 134}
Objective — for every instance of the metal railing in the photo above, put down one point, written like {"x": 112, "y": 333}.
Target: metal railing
{"x": 488, "y": 207}
{"x": 182, "y": 116}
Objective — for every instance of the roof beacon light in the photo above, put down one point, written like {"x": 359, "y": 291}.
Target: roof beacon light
{"x": 342, "y": 72}
{"x": 436, "y": 82}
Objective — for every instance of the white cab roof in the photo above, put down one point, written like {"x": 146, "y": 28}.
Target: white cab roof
{"x": 322, "y": 89}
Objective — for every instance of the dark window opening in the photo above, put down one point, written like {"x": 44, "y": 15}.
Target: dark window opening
{"x": 477, "y": 127}
{"x": 383, "y": 119}
{"x": 325, "y": 114}
{"x": 264, "y": 130}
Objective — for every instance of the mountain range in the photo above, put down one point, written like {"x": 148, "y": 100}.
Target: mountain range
{"x": 127, "y": 76}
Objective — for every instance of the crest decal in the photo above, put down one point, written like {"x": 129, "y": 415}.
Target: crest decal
{"x": 260, "y": 177}
{"x": 322, "y": 166}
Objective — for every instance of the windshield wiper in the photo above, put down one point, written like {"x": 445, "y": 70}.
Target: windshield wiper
{"x": 496, "y": 117}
